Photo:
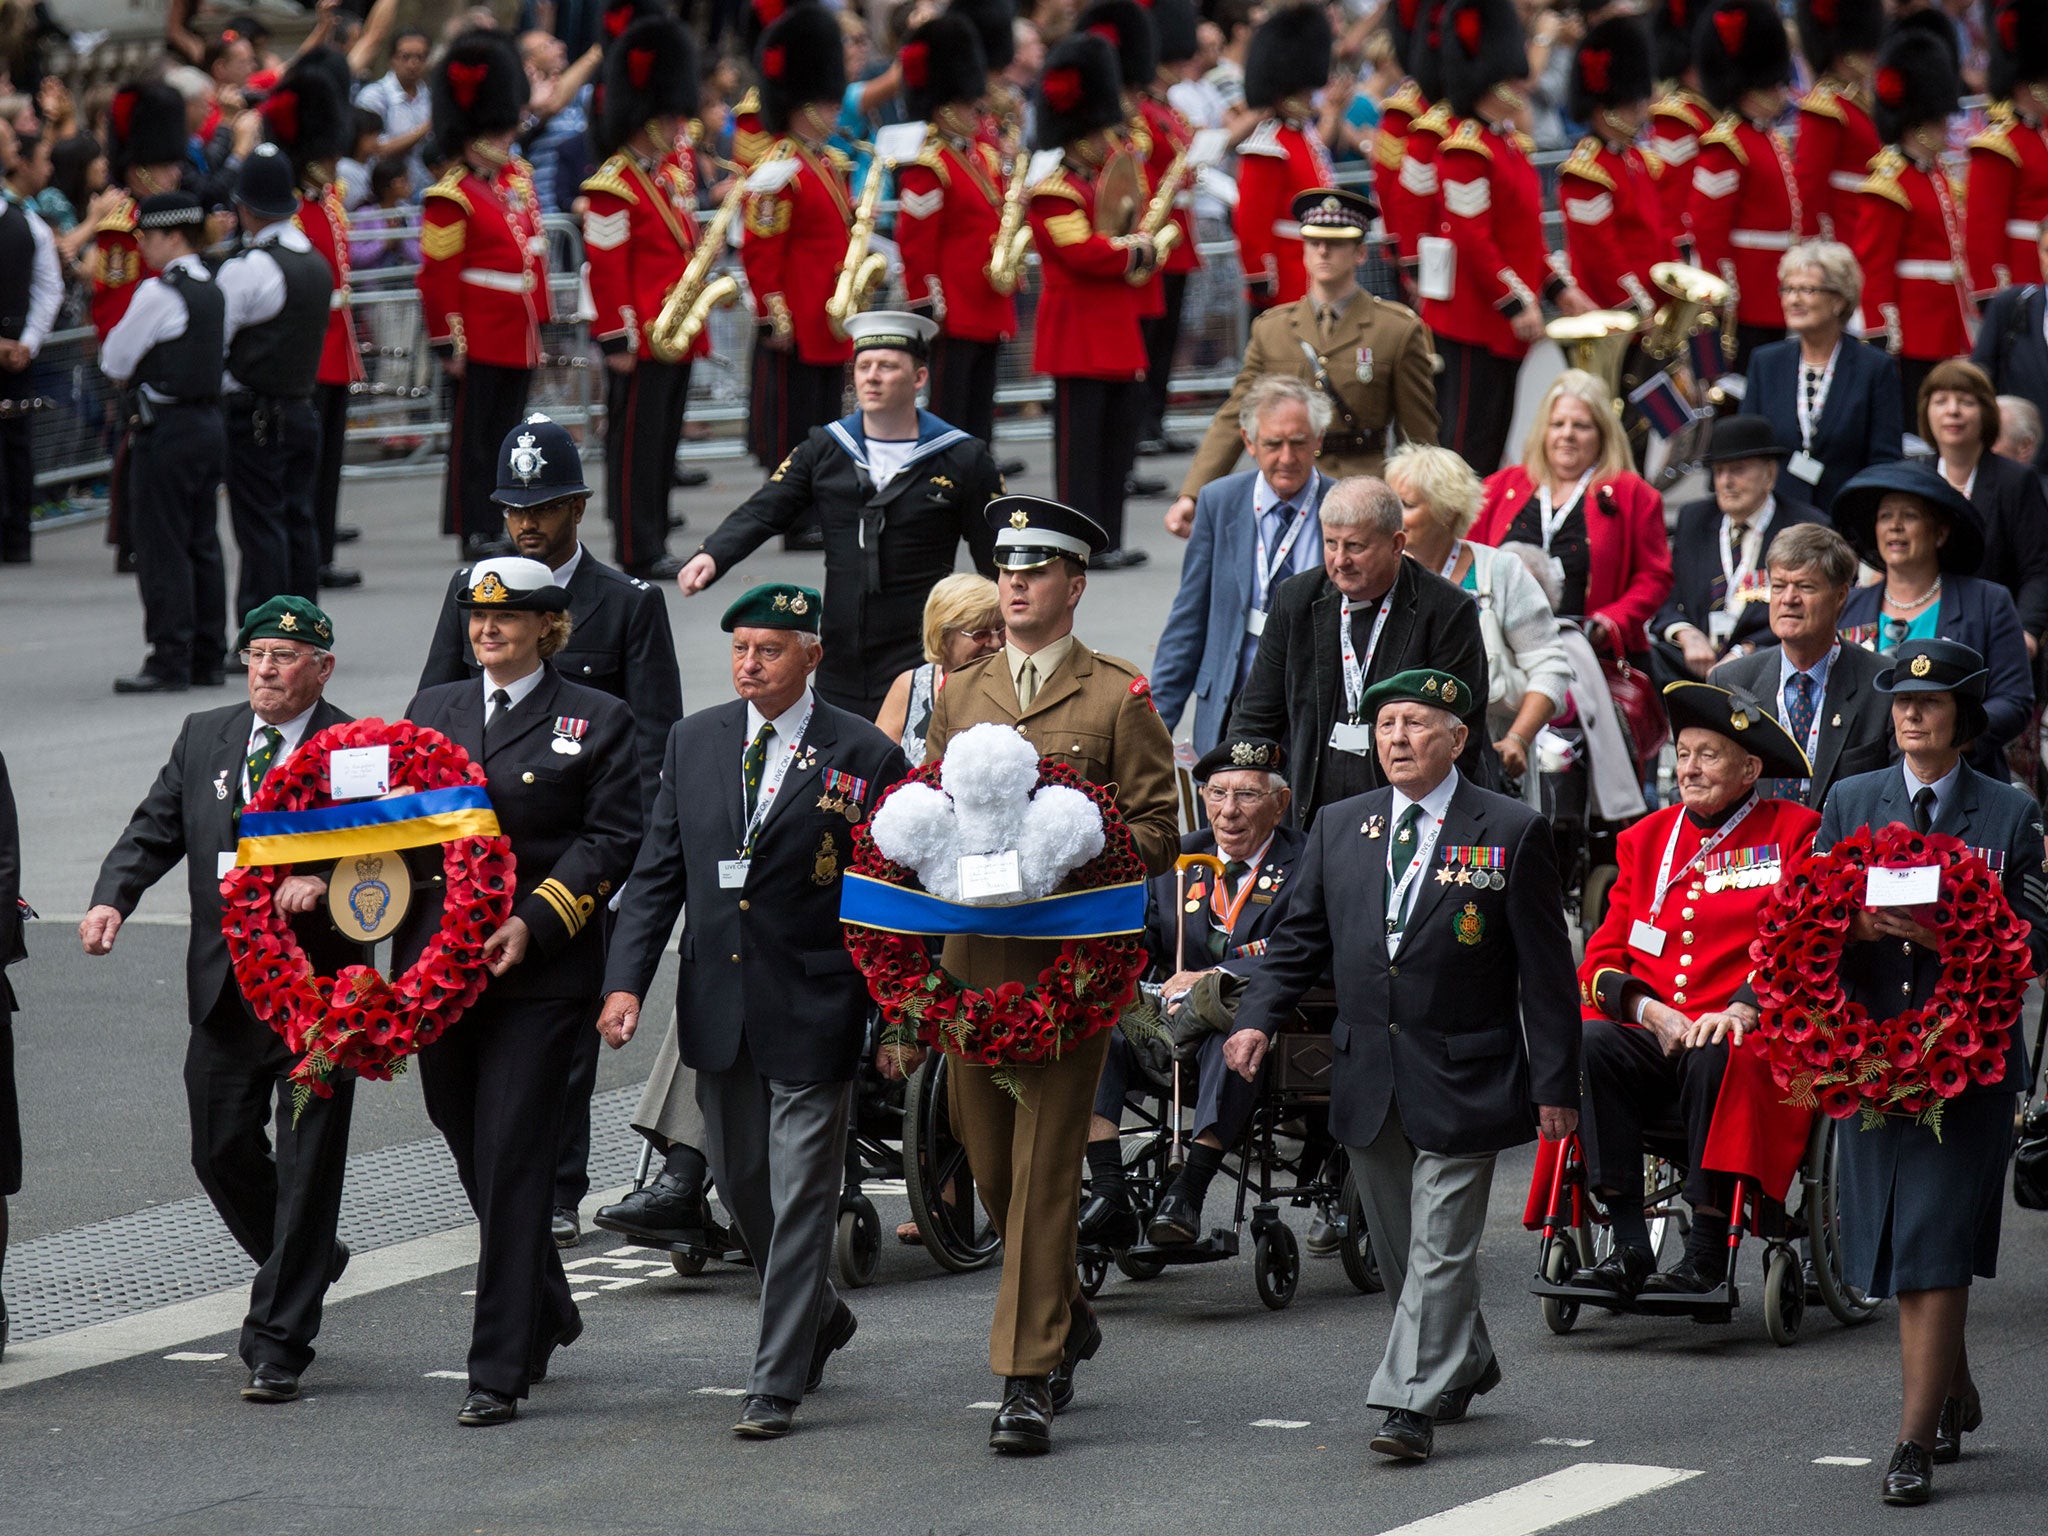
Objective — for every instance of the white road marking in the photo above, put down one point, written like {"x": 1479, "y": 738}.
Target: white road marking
{"x": 197, "y": 1354}
{"x": 1280, "y": 1423}
{"x": 721, "y": 1391}
{"x": 1577, "y": 1445}
{"x": 581, "y": 1295}
{"x": 1841, "y": 1461}
{"x": 445, "y": 1375}
{"x": 1583, "y": 1489}
{"x": 982, "y": 1407}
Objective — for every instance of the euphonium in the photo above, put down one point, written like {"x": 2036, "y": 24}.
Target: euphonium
{"x": 861, "y": 269}
{"x": 1693, "y": 298}
{"x": 1013, "y": 236}
{"x": 1598, "y": 342}
{"x": 687, "y": 309}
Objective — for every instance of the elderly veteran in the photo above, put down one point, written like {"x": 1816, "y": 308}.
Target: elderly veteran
{"x": 1212, "y": 926}
{"x": 1675, "y": 945}
{"x": 1436, "y": 906}
{"x": 564, "y": 781}
{"x": 281, "y": 1206}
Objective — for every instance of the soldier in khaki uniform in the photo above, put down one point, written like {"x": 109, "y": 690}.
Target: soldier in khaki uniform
{"x": 1371, "y": 359}
{"x": 1094, "y": 713}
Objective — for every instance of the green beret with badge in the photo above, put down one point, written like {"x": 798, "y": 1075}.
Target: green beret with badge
{"x": 775, "y": 605}
{"x": 1418, "y": 685}
{"x": 287, "y": 618}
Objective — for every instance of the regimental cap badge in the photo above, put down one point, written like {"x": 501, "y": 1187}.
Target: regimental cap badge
{"x": 1330, "y": 204}
{"x": 490, "y": 590}
{"x": 1245, "y": 755}
{"x": 1429, "y": 686}
{"x": 527, "y": 459}
{"x": 289, "y": 621}
{"x": 1449, "y": 693}
{"x": 782, "y": 602}
{"x": 1020, "y": 519}
{"x": 1922, "y": 665}
{"x": 798, "y": 606}
{"x": 323, "y": 629}
{"x": 1739, "y": 718}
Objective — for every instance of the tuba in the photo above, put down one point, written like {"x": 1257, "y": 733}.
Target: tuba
{"x": 1013, "y": 236}
{"x": 1693, "y": 297}
{"x": 1598, "y": 342}
{"x": 861, "y": 269}
{"x": 687, "y": 309}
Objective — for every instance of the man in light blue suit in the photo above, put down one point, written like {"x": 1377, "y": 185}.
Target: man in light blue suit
{"x": 1252, "y": 531}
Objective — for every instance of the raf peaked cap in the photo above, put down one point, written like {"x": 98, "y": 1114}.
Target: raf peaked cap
{"x": 1254, "y": 752}
{"x": 1332, "y": 213}
{"x": 1418, "y": 685}
{"x": 776, "y": 605}
{"x": 513, "y": 582}
{"x": 1942, "y": 666}
{"x": 537, "y": 463}
{"x": 287, "y": 618}
{"x": 1739, "y": 717}
{"x": 1031, "y": 531}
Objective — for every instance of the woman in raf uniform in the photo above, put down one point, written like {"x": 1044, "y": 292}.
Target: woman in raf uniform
{"x": 563, "y": 779}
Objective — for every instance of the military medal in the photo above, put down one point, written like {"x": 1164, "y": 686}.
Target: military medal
{"x": 1365, "y": 365}
{"x": 569, "y": 735}
{"x": 220, "y": 785}
{"x": 1375, "y": 826}
{"x": 846, "y": 793}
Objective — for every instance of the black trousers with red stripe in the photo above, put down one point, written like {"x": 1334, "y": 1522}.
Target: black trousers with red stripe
{"x": 1162, "y": 340}
{"x": 489, "y": 401}
{"x": 643, "y": 423}
{"x": 963, "y": 385}
{"x": 330, "y": 404}
{"x": 1095, "y": 427}
{"x": 1475, "y": 398}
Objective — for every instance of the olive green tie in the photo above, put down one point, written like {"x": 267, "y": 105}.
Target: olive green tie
{"x": 264, "y": 755}
{"x": 754, "y": 764}
{"x": 1027, "y": 683}
{"x": 1405, "y": 844}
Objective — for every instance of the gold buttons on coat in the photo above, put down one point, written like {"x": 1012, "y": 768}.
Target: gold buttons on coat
{"x": 526, "y": 778}
{"x": 743, "y": 904}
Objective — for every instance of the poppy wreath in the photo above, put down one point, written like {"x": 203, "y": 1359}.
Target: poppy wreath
{"x": 1827, "y": 1052}
{"x": 1084, "y": 991}
{"x": 357, "y": 1021}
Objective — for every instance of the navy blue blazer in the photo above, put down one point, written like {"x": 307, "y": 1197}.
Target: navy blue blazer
{"x": 1862, "y": 423}
{"x": 1699, "y": 586}
{"x": 1981, "y": 615}
{"x": 2013, "y": 350}
{"x": 1263, "y": 908}
{"x": 2008, "y": 495}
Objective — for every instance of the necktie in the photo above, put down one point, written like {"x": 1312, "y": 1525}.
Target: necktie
{"x": 754, "y": 763}
{"x": 1405, "y": 844}
{"x": 500, "y": 702}
{"x": 1799, "y": 707}
{"x": 264, "y": 755}
{"x": 1326, "y": 320}
{"x": 1027, "y": 683}
{"x": 1923, "y": 809}
{"x": 1277, "y": 518}
{"x": 1219, "y": 937}
{"x": 1737, "y": 533}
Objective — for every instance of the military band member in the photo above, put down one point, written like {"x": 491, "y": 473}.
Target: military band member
{"x": 1745, "y": 211}
{"x": 1369, "y": 357}
{"x": 1610, "y": 190}
{"x": 639, "y": 233}
{"x": 951, "y": 201}
{"x": 483, "y": 273}
{"x": 1836, "y": 139}
{"x": 2007, "y": 195}
{"x": 1407, "y": 198}
{"x": 1287, "y": 64}
{"x": 1173, "y": 24}
{"x": 895, "y": 490}
{"x": 1002, "y": 125}
{"x": 1681, "y": 116}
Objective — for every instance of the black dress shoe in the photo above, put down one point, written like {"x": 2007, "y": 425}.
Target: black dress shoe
{"x": 689, "y": 476}
{"x": 765, "y": 1417}
{"x": 836, "y": 1334}
{"x": 1023, "y": 1425}
{"x": 1910, "y": 1477}
{"x": 1178, "y": 1221}
{"x": 1011, "y": 468}
{"x": 1118, "y": 560}
{"x": 1621, "y": 1273}
{"x": 1405, "y": 1436}
{"x": 1084, "y": 1337}
{"x": 477, "y": 546}
{"x": 1457, "y": 1402}
{"x": 334, "y": 577}
{"x": 147, "y": 681}
{"x": 663, "y": 1212}
{"x": 1322, "y": 1239}
{"x": 346, "y": 533}
{"x": 1109, "y": 1220}
{"x": 565, "y": 1228}
{"x": 339, "y": 1262}
{"x": 537, "y": 1368}
{"x": 1685, "y": 1278}
{"x": 487, "y": 1407}
{"x": 271, "y": 1384}
{"x": 667, "y": 568}
{"x": 1144, "y": 485}
{"x": 1959, "y": 1416}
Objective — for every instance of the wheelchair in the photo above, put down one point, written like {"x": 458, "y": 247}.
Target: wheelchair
{"x": 1575, "y": 1234}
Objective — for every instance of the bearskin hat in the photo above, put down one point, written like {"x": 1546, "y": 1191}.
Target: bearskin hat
{"x": 1175, "y": 23}
{"x": 1289, "y": 56}
{"x": 1924, "y": 26}
{"x": 1425, "y": 56}
{"x": 618, "y": 15}
{"x": 145, "y": 126}
{"x": 1079, "y": 92}
{"x": 1671, "y": 23}
{"x": 760, "y": 16}
{"x": 1404, "y": 19}
{"x": 1611, "y": 68}
{"x": 650, "y": 71}
{"x": 941, "y": 63}
{"x": 802, "y": 60}
{"x": 2018, "y": 35}
{"x": 996, "y": 22}
{"x": 1740, "y": 46}
{"x": 1127, "y": 27}
{"x": 1828, "y": 29}
{"x": 478, "y": 88}
{"x": 305, "y": 117}
{"x": 1482, "y": 46}
{"x": 1916, "y": 83}
{"x": 332, "y": 63}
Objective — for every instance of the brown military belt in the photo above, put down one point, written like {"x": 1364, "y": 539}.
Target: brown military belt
{"x": 1348, "y": 444}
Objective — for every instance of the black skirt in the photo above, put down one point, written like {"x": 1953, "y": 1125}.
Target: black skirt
{"x": 1920, "y": 1214}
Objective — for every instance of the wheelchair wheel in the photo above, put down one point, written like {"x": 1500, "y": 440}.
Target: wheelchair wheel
{"x": 1559, "y": 1260}
{"x": 1822, "y": 1211}
{"x": 858, "y": 1248}
{"x": 1593, "y": 895}
{"x": 1276, "y": 1265}
{"x": 951, "y": 1224}
{"x": 1094, "y": 1269}
{"x": 1361, "y": 1265}
{"x": 1784, "y": 1295}
{"x": 1140, "y": 1266}
{"x": 687, "y": 1263}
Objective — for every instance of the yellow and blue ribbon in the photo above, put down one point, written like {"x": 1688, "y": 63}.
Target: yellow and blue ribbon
{"x": 1112, "y": 909}
{"x": 366, "y": 826}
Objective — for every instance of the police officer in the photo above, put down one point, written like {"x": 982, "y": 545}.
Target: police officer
{"x": 1370, "y": 358}
{"x": 895, "y": 490}
{"x": 1287, "y": 63}
{"x": 166, "y": 353}
{"x": 276, "y": 294}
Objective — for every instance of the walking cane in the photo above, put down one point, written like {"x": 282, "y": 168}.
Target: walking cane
{"x": 1181, "y": 866}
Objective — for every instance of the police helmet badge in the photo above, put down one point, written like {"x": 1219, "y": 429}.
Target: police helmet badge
{"x": 369, "y": 899}
{"x": 527, "y": 459}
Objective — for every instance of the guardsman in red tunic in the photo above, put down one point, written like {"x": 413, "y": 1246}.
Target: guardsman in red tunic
{"x": 950, "y": 206}
{"x": 1673, "y": 946}
{"x": 1406, "y": 212}
{"x": 639, "y": 232}
{"x": 2007, "y": 196}
{"x": 1174, "y": 23}
{"x": 484, "y": 300}
{"x": 1680, "y": 117}
{"x": 1909, "y": 236}
{"x": 1087, "y": 339}
{"x": 1287, "y": 63}
{"x": 1614, "y": 229}
{"x": 1836, "y": 140}
{"x": 1745, "y": 212}
{"x": 1491, "y": 215}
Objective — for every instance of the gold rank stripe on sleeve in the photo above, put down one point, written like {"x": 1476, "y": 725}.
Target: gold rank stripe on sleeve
{"x": 441, "y": 241}
{"x": 574, "y": 911}
{"x": 1069, "y": 228}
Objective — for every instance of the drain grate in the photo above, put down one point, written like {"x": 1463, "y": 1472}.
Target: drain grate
{"x": 180, "y": 1251}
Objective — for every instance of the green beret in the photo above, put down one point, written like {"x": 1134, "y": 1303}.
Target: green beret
{"x": 286, "y": 618}
{"x": 777, "y": 605}
{"x": 1418, "y": 685}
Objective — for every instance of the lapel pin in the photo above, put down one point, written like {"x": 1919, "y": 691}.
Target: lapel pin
{"x": 1836, "y": 722}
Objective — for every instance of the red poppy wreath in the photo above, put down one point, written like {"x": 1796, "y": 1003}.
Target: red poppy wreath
{"x": 357, "y": 1021}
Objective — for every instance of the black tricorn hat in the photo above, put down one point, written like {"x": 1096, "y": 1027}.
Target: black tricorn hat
{"x": 1828, "y": 29}
{"x": 1916, "y": 83}
{"x": 2017, "y": 31}
{"x": 1743, "y": 437}
{"x": 1254, "y": 754}
{"x": 1176, "y": 23}
{"x": 479, "y": 87}
{"x": 305, "y": 117}
{"x": 941, "y": 63}
{"x": 802, "y": 61}
{"x": 1289, "y": 56}
{"x": 1482, "y": 46}
{"x": 1671, "y": 35}
{"x": 1079, "y": 91}
{"x": 650, "y": 71}
{"x": 1127, "y": 27}
{"x": 1741, "y": 717}
{"x": 145, "y": 126}
{"x": 1855, "y": 512}
{"x": 996, "y": 22}
{"x": 1611, "y": 68}
{"x": 1740, "y": 46}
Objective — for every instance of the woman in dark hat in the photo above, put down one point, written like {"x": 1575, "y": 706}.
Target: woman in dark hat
{"x": 1928, "y": 538}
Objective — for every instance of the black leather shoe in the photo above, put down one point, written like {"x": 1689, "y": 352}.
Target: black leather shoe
{"x": 667, "y": 568}
{"x": 1685, "y": 1278}
{"x": 1406, "y": 1436}
{"x": 537, "y": 1368}
{"x": 476, "y": 546}
{"x": 1012, "y": 468}
{"x": 485, "y": 1407}
{"x": 1322, "y": 1240}
{"x": 1959, "y": 1416}
{"x": 1023, "y": 1425}
{"x": 565, "y": 1228}
{"x": 1178, "y": 1221}
{"x": 335, "y": 577}
{"x": 1621, "y": 1273}
{"x": 1084, "y": 1337}
{"x": 339, "y": 1262}
{"x": 1109, "y": 1220}
{"x": 1144, "y": 485}
{"x": 662, "y": 1212}
{"x": 1910, "y": 1477}
{"x": 346, "y": 533}
{"x": 146, "y": 681}
{"x": 835, "y": 1335}
{"x": 1118, "y": 560}
{"x": 271, "y": 1384}
{"x": 765, "y": 1417}
{"x": 1165, "y": 442}
{"x": 689, "y": 476}
{"x": 1457, "y": 1402}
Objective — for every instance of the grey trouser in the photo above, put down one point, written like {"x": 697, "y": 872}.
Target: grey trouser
{"x": 668, "y": 1104}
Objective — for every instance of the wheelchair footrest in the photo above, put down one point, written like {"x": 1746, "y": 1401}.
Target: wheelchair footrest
{"x": 1221, "y": 1243}
{"x": 707, "y": 1252}
{"x": 1715, "y": 1306}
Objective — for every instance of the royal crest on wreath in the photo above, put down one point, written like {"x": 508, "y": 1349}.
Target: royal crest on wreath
{"x": 527, "y": 459}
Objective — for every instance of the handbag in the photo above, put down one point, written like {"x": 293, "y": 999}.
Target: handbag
{"x": 1642, "y": 714}
{"x": 2030, "y": 1156}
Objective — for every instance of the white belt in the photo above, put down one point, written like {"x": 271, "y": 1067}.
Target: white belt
{"x": 1184, "y": 200}
{"x": 504, "y": 282}
{"x": 1287, "y": 229}
{"x": 1930, "y": 271}
{"x": 2020, "y": 229}
{"x": 1845, "y": 181}
{"x": 339, "y": 298}
{"x": 1760, "y": 239}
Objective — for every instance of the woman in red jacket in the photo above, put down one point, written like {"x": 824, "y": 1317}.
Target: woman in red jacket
{"x": 1574, "y": 496}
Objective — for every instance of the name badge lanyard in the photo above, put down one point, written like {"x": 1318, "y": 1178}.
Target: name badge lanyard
{"x": 1269, "y": 570}
{"x": 1397, "y": 900}
{"x": 1809, "y": 412}
{"x": 1812, "y": 742}
{"x": 1354, "y": 669}
{"x": 1553, "y": 520}
{"x": 1734, "y": 572}
{"x": 1226, "y": 911}
{"x": 1666, "y": 877}
{"x": 771, "y": 784}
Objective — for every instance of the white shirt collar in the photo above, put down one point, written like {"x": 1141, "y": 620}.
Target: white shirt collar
{"x": 1818, "y": 671}
{"x": 786, "y": 724}
{"x": 1943, "y": 787}
{"x": 293, "y": 731}
{"x": 1759, "y": 520}
{"x": 1434, "y": 805}
{"x": 568, "y": 567}
{"x": 285, "y": 233}
{"x": 1258, "y": 857}
{"x": 191, "y": 265}
{"x": 517, "y": 691}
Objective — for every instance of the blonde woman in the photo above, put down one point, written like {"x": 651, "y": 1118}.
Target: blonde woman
{"x": 961, "y": 621}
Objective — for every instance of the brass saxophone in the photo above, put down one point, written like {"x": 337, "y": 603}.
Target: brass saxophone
{"x": 1158, "y": 218}
{"x": 860, "y": 269}
{"x": 687, "y": 309}
{"x": 1013, "y": 236}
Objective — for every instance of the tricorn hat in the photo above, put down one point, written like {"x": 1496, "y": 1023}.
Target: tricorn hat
{"x": 1855, "y": 511}
{"x": 1740, "y": 46}
{"x": 1671, "y": 35}
{"x": 1127, "y": 27}
{"x": 941, "y": 63}
{"x": 1828, "y": 29}
{"x": 650, "y": 71}
{"x": 1916, "y": 83}
{"x": 479, "y": 88}
{"x": 1482, "y": 46}
{"x": 306, "y": 117}
{"x": 1289, "y": 56}
{"x": 1177, "y": 24}
{"x": 145, "y": 126}
{"x": 1079, "y": 91}
{"x": 1742, "y": 718}
{"x": 996, "y": 22}
{"x": 1611, "y": 68}
{"x": 2018, "y": 37}
{"x": 802, "y": 62}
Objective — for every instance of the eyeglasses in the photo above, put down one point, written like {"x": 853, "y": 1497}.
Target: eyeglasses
{"x": 993, "y": 635}
{"x": 284, "y": 661}
{"x": 1243, "y": 799}
{"x": 1802, "y": 290}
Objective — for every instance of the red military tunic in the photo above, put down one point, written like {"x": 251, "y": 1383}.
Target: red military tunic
{"x": 1407, "y": 212}
{"x": 794, "y": 245}
{"x": 324, "y": 221}
{"x": 1614, "y": 229}
{"x": 950, "y": 202}
{"x": 639, "y": 231}
{"x": 751, "y": 141}
{"x": 1139, "y": 144}
{"x": 1490, "y": 207}
{"x": 1171, "y": 133}
{"x": 477, "y": 276}
{"x": 1275, "y": 163}
{"x": 1831, "y": 155}
{"x": 1745, "y": 214}
{"x": 1916, "y": 288}
{"x": 2005, "y": 202}
{"x": 1088, "y": 311}
{"x": 1678, "y": 120}
{"x": 117, "y": 266}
